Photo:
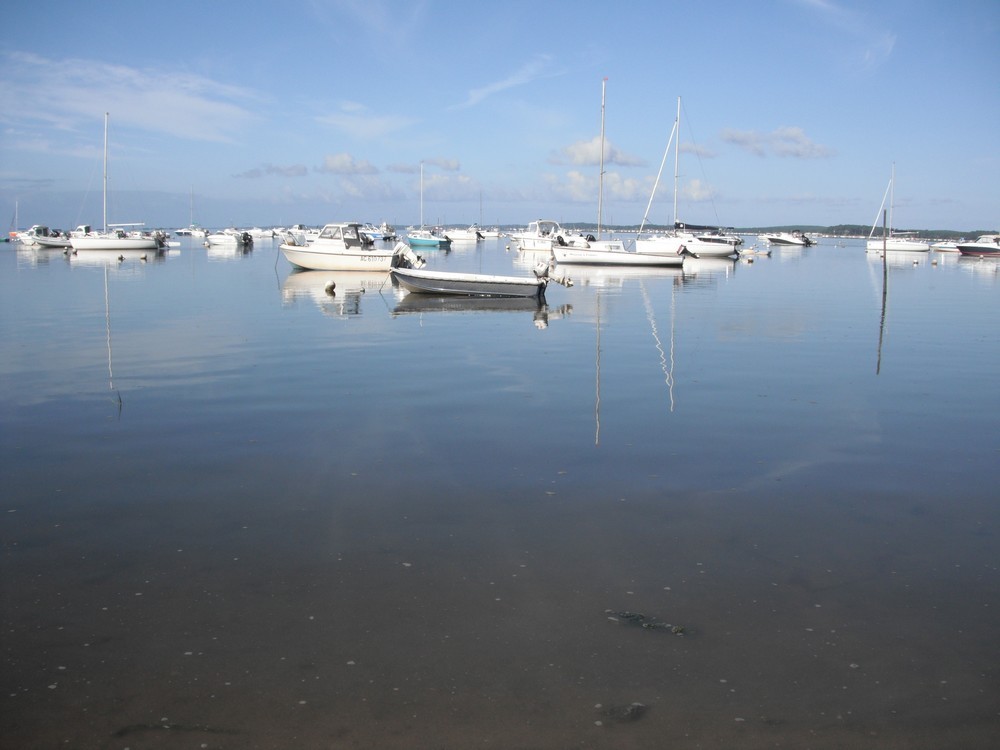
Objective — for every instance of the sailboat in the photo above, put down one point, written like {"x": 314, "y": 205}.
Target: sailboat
{"x": 192, "y": 230}
{"x": 423, "y": 236}
{"x": 701, "y": 242}
{"x": 118, "y": 238}
{"x": 596, "y": 251}
{"x": 892, "y": 242}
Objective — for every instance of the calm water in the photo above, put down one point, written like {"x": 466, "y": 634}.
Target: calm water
{"x": 242, "y": 513}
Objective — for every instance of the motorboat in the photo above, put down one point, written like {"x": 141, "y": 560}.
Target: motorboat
{"x": 412, "y": 275}
{"x": 707, "y": 242}
{"x": 423, "y": 237}
{"x": 338, "y": 247}
{"x": 192, "y": 231}
{"x": 30, "y": 236}
{"x": 470, "y": 234}
{"x": 230, "y": 236}
{"x": 384, "y": 232}
{"x": 987, "y": 246}
{"x": 796, "y": 238}
{"x": 541, "y": 235}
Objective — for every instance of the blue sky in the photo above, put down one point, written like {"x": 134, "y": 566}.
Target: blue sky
{"x": 793, "y": 111}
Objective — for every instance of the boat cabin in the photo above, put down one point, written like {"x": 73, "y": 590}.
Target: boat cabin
{"x": 350, "y": 234}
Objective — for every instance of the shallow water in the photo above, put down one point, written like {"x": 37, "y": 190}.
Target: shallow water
{"x": 240, "y": 512}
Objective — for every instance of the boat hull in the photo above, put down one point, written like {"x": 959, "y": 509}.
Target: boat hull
{"x": 114, "y": 243}
{"x": 612, "y": 253}
{"x": 428, "y": 241}
{"x": 895, "y": 244}
{"x": 316, "y": 258}
{"x": 53, "y": 242}
{"x": 981, "y": 251}
{"x": 467, "y": 284}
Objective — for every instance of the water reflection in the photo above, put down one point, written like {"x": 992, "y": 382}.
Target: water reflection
{"x": 30, "y": 257}
{"x": 983, "y": 268}
{"x": 115, "y": 257}
{"x": 336, "y": 293}
{"x": 541, "y": 313}
{"x": 228, "y": 252}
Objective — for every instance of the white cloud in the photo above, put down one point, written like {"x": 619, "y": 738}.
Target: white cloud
{"x": 588, "y": 153}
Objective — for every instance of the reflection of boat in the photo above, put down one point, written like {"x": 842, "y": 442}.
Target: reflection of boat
{"x": 709, "y": 266}
{"x": 987, "y": 246}
{"x": 984, "y": 265}
{"x": 541, "y": 313}
{"x": 228, "y": 252}
{"x": 115, "y": 257}
{"x": 118, "y": 238}
{"x": 616, "y": 276}
{"x": 334, "y": 292}
{"x": 893, "y": 242}
{"x": 339, "y": 247}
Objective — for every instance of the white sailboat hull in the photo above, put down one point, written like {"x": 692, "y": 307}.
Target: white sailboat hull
{"x": 612, "y": 253}
{"x": 898, "y": 244}
{"x": 114, "y": 243}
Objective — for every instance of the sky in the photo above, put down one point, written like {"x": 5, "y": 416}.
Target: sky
{"x": 792, "y": 112}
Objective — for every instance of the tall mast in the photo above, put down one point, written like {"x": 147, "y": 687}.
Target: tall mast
{"x": 421, "y": 195}
{"x": 600, "y": 193}
{"x": 105, "y": 172}
{"x": 677, "y": 125}
{"x": 892, "y": 194}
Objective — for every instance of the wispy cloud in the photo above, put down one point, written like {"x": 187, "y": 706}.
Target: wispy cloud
{"x": 783, "y": 142}
{"x": 293, "y": 170}
{"x": 73, "y": 93}
{"x": 448, "y": 165}
{"x": 588, "y": 153}
{"x": 376, "y": 17}
{"x": 346, "y": 164}
{"x": 531, "y": 70}
{"x": 357, "y": 121}
{"x": 876, "y": 44}
{"x": 697, "y": 150}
